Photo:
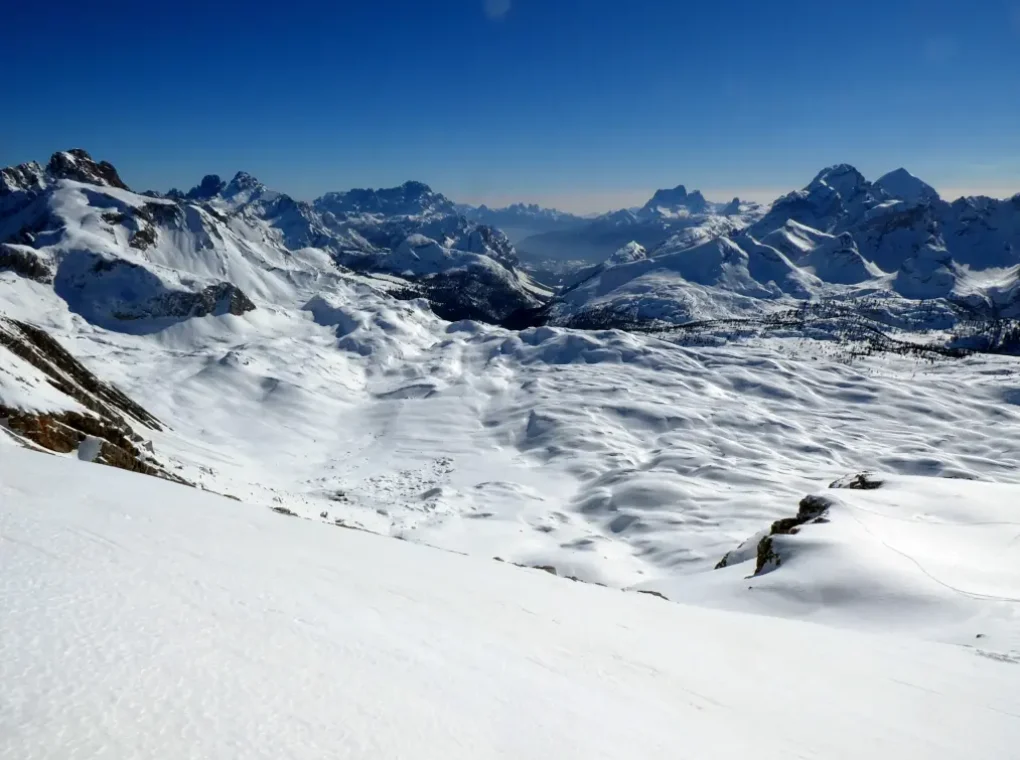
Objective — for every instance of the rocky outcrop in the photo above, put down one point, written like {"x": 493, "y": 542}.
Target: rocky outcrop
{"x": 21, "y": 178}
{"x": 222, "y": 298}
{"x": 105, "y": 416}
{"x": 210, "y": 185}
{"x": 78, "y": 165}
{"x": 811, "y": 509}
{"x": 25, "y": 262}
{"x": 862, "y": 481}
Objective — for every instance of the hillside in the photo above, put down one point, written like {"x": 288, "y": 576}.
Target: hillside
{"x": 262, "y": 635}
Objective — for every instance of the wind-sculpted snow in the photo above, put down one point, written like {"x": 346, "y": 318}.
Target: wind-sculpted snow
{"x": 624, "y": 458}
{"x": 609, "y": 456}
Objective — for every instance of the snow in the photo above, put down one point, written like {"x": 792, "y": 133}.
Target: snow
{"x": 932, "y": 557}
{"x": 613, "y": 457}
{"x": 25, "y": 387}
{"x": 151, "y": 620}
{"x": 145, "y": 619}
{"x": 903, "y": 185}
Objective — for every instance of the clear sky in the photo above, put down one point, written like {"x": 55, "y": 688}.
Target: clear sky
{"x": 583, "y": 104}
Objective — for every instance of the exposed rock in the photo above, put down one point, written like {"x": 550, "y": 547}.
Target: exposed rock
{"x": 222, "y": 298}
{"x": 143, "y": 238}
{"x": 78, "y": 165}
{"x": 210, "y": 185}
{"x": 863, "y": 481}
{"x": 107, "y": 409}
{"x": 67, "y": 374}
{"x": 22, "y": 177}
{"x": 25, "y": 262}
{"x": 811, "y": 509}
{"x": 652, "y": 593}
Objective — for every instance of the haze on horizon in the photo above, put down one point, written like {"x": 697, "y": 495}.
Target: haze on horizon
{"x": 582, "y": 105}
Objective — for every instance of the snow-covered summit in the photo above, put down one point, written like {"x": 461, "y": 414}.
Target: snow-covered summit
{"x": 667, "y": 213}
{"x": 840, "y": 237}
{"x": 633, "y": 251}
{"x": 122, "y": 259}
{"x": 903, "y": 185}
{"x": 74, "y": 164}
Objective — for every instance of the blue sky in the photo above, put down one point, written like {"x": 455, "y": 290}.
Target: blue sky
{"x": 585, "y": 104}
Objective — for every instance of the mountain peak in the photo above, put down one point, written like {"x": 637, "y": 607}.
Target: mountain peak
{"x": 843, "y": 178}
{"x": 901, "y": 184}
{"x": 210, "y": 185}
{"x": 412, "y": 198}
{"x": 29, "y": 176}
{"x": 76, "y": 164}
{"x": 416, "y": 188}
{"x": 675, "y": 198}
{"x": 245, "y": 181}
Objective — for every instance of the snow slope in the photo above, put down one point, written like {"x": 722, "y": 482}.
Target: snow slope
{"x": 144, "y": 619}
{"x": 614, "y": 457}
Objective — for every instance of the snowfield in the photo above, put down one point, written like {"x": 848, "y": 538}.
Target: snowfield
{"x": 146, "y": 619}
{"x": 280, "y": 353}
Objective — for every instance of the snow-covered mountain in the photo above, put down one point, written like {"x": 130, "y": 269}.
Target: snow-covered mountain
{"x": 668, "y": 212}
{"x": 522, "y": 220}
{"x": 841, "y": 237}
{"x": 247, "y": 344}
{"x": 134, "y": 262}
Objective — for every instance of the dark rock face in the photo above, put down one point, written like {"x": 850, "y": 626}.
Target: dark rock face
{"x": 223, "y": 298}
{"x": 24, "y": 263}
{"x": 411, "y": 198}
{"x": 674, "y": 198}
{"x": 142, "y": 239}
{"x": 78, "y": 165}
{"x": 210, "y": 185}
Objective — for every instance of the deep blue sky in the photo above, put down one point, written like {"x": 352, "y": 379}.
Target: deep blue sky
{"x": 589, "y": 104}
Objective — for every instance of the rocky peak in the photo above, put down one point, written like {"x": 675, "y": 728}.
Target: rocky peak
{"x": 210, "y": 185}
{"x": 842, "y": 178}
{"x": 903, "y": 185}
{"x": 76, "y": 164}
{"x": 409, "y": 199}
{"x": 732, "y": 208}
{"x": 28, "y": 176}
{"x": 675, "y": 198}
{"x": 242, "y": 182}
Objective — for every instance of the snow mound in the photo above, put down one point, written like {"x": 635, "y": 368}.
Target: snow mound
{"x": 931, "y": 556}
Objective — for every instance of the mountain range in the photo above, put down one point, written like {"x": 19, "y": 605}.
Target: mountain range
{"x": 783, "y": 410}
